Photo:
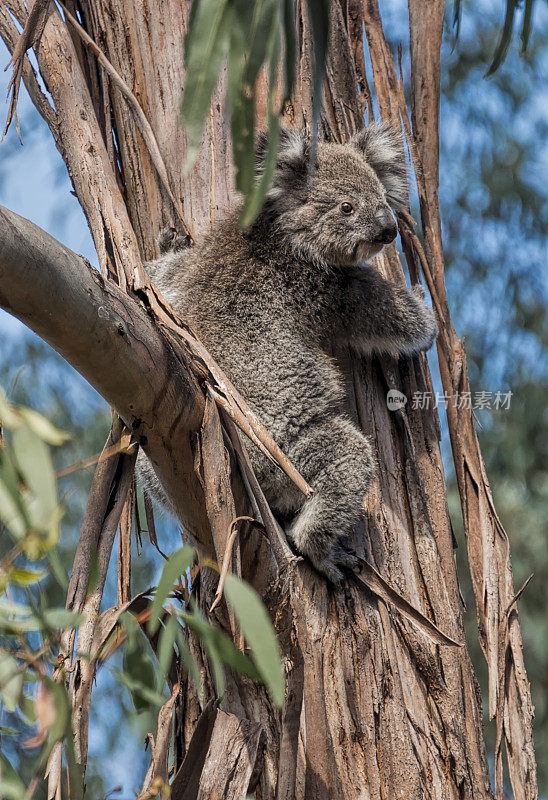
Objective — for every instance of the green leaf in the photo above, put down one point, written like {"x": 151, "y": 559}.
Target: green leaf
{"x": 189, "y": 662}
{"x": 138, "y": 677}
{"x": 16, "y": 618}
{"x": 204, "y": 631}
{"x": 318, "y": 15}
{"x": 166, "y": 649}
{"x": 11, "y": 785}
{"x": 233, "y": 657}
{"x": 8, "y": 414}
{"x": 526, "y": 26}
{"x": 11, "y": 510}
{"x": 505, "y": 38}
{"x": 57, "y": 568}
{"x": 11, "y": 681}
{"x": 258, "y": 632}
{"x": 176, "y": 565}
{"x": 34, "y": 463}
{"x": 62, "y": 618}
{"x": 255, "y": 39}
{"x": 206, "y": 47}
{"x": 290, "y": 63}
{"x": 10, "y": 513}
{"x": 42, "y": 427}
{"x": 25, "y": 577}
{"x": 255, "y": 199}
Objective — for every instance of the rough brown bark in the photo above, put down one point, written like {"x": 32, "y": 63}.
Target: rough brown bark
{"x": 373, "y": 708}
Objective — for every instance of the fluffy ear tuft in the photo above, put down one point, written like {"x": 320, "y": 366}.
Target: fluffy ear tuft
{"x": 292, "y": 161}
{"x": 382, "y": 147}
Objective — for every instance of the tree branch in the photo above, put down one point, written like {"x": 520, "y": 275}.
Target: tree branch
{"x": 109, "y": 338}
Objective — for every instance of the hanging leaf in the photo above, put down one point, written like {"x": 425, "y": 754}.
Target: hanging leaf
{"x": 526, "y": 26}
{"x": 139, "y": 677}
{"x": 252, "y": 35}
{"x": 42, "y": 427}
{"x": 189, "y": 662}
{"x": 11, "y": 785}
{"x": 505, "y": 37}
{"x": 318, "y": 17}
{"x": 287, "y": 11}
{"x": 204, "y": 632}
{"x": 259, "y": 634}
{"x": 252, "y": 43}
{"x": 206, "y": 48}
{"x": 255, "y": 198}
{"x": 11, "y": 681}
{"x": 11, "y": 513}
{"x": 25, "y": 577}
{"x": 166, "y": 649}
{"x": 176, "y": 565}
{"x": 34, "y": 464}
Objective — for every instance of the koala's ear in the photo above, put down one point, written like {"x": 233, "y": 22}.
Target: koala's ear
{"x": 382, "y": 147}
{"x": 292, "y": 161}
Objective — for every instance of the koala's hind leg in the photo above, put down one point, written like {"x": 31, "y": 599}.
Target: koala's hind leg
{"x": 337, "y": 460}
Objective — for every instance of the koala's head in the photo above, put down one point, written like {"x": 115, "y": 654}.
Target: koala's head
{"x": 344, "y": 214}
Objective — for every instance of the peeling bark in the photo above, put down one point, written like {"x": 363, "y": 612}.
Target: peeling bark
{"x": 374, "y": 709}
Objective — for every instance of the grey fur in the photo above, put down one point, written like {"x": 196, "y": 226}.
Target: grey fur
{"x": 268, "y": 301}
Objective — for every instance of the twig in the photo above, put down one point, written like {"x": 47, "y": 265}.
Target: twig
{"x": 280, "y": 548}
{"x": 380, "y": 587}
{"x": 139, "y": 115}
{"x": 519, "y": 593}
{"x": 124, "y": 446}
{"x": 31, "y": 33}
{"x": 226, "y": 560}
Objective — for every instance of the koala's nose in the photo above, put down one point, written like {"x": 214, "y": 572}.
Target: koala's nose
{"x": 386, "y": 228}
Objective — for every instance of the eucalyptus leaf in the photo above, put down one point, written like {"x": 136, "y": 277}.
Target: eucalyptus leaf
{"x": 318, "y": 15}
{"x": 258, "y": 632}
{"x": 501, "y": 50}
{"x": 166, "y": 649}
{"x": 11, "y": 681}
{"x": 10, "y": 512}
{"x": 206, "y": 48}
{"x": 34, "y": 463}
{"x": 204, "y": 631}
{"x": 25, "y": 577}
{"x": 11, "y": 785}
{"x": 189, "y": 662}
{"x": 62, "y": 618}
{"x": 8, "y": 414}
{"x": 142, "y": 693}
{"x": 176, "y": 565}
{"x": 42, "y": 427}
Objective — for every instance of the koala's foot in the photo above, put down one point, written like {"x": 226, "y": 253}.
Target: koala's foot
{"x": 334, "y": 562}
{"x": 170, "y": 240}
{"x": 316, "y": 532}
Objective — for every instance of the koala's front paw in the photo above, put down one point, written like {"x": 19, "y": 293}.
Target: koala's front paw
{"x": 170, "y": 240}
{"x": 428, "y": 323}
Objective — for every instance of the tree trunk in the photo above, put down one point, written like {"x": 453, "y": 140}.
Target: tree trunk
{"x": 374, "y": 709}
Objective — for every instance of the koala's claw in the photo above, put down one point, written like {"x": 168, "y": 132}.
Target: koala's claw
{"x": 346, "y": 558}
{"x": 333, "y": 563}
{"x": 170, "y": 240}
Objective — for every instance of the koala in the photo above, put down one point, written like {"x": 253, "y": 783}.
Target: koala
{"x": 269, "y": 301}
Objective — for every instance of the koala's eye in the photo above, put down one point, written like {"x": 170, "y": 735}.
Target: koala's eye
{"x": 347, "y": 208}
